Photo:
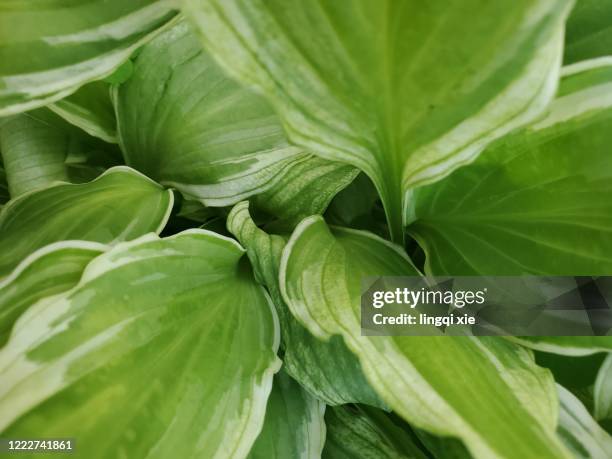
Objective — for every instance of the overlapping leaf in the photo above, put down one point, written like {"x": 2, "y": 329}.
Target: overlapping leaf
{"x": 51, "y": 270}
{"x": 327, "y": 369}
{"x": 166, "y": 347}
{"x": 539, "y": 202}
{"x": 293, "y": 427}
{"x": 119, "y": 205}
{"x": 39, "y": 148}
{"x": 183, "y": 122}
{"x": 405, "y": 91}
{"x": 91, "y": 109}
{"x": 474, "y": 389}
{"x": 306, "y": 189}
{"x": 579, "y": 430}
{"x": 49, "y": 50}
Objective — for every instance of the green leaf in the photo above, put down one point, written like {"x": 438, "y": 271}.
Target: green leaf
{"x": 588, "y": 32}
{"x": 294, "y": 426}
{"x": 327, "y": 369}
{"x": 49, "y": 51}
{"x": 184, "y": 123}
{"x": 579, "y": 430}
{"x": 356, "y": 432}
{"x": 119, "y": 205}
{"x": 91, "y": 109}
{"x": 305, "y": 189}
{"x": 603, "y": 390}
{"x": 405, "y": 91}
{"x": 539, "y": 202}
{"x": 39, "y": 148}
{"x": 168, "y": 342}
{"x": 50, "y": 270}
{"x": 418, "y": 377}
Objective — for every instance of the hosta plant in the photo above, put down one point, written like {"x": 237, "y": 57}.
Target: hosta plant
{"x": 193, "y": 190}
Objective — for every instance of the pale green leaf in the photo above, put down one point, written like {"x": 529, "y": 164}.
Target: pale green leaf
{"x": 184, "y": 123}
{"x": 588, "y": 32}
{"x": 39, "y": 148}
{"x": 405, "y": 91}
{"x": 603, "y": 390}
{"x": 90, "y": 108}
{"x": 119, "y": 205}
{"x": 356, "y": 432}
{"x": 579, "y": 431}
{"x": 165, "y": 348}
{"x": 50, "y": 270}
{"x": 466, "y": 387}
{"x": 294, "y": 427}
{"x": 326, "y": 368}
{"x": 48, "y": 51}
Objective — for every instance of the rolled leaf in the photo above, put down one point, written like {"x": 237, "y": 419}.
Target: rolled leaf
{"x": 51, "y": 270}
{"x": 603, "y": 391}
{"x": 441, "y": 384}
{"x": 39, "y": 148}
{"x": 119, "y": 205}
{"x": 579, "y": 430}
{"x": 294, "y": 425}
{"x": 327, "y": 369}
{"x": 170, "y": 343}
{"x": 49, "y": 51}
{"x": 355, "y": 432}
{"x": 184, "y": 123}
{"x": 405, "y": 91}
